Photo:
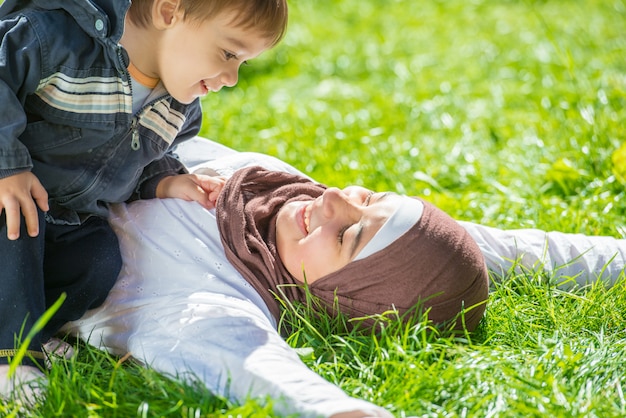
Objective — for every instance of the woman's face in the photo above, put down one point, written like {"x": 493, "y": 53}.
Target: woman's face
{"x": 318, "y": 237}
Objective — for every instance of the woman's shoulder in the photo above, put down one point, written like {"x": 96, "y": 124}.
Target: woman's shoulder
{"x": 203, "y": 154}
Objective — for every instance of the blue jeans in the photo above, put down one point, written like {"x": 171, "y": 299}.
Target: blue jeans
{"x": 82, "y": 261}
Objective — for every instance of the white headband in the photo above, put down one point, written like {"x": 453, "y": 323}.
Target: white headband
{"x": 405, "y": 216}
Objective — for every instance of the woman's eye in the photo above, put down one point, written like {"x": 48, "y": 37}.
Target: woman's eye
{"x": 343, "y": 230}
{"x": 366, "y": 202}
{"x": 342, "y": 233}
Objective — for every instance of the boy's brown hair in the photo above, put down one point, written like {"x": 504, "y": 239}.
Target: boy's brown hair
{"x": 269, "y": 17}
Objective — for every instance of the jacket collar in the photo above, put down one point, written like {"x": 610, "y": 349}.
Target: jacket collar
{"x": 98, "y": 18}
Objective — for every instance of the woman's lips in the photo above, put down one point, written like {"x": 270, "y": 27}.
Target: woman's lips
{"x": 307, "y": 216}
{"x": 302, "y": 218}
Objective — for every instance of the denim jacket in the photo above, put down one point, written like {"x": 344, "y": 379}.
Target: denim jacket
{"x": 66, "y": 108}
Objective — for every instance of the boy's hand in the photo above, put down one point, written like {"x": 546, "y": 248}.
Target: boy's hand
{"x": 197, "y": 187}
{"x": 20, "y": 193}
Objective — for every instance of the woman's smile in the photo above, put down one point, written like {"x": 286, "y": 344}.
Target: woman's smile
{"x": 302, "y": 219}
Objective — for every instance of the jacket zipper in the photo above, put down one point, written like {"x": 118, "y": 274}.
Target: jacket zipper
{"x": 135, "y": 144}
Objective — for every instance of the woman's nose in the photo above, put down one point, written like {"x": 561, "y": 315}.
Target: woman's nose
{"x": 336, "y": 202}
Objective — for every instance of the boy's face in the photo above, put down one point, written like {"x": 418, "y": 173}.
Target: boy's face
{"x": 323, "y": 235}
{"x": 195, "y": 58}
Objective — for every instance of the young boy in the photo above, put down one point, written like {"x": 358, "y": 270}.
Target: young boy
{"x": 95, "y": 95}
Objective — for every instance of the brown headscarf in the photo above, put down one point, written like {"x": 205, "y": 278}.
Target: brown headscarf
{"x": 435, "y": 265}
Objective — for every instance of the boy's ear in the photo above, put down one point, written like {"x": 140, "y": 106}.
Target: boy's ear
{"x": 166, "y": 13}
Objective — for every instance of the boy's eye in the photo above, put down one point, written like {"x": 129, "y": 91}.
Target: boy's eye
{"x": 229, "y": 55}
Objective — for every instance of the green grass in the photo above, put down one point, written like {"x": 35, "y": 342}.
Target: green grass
{"x": 500, "y": 112}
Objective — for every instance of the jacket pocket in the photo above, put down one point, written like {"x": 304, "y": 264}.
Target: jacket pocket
{"x": 45, "y": 138}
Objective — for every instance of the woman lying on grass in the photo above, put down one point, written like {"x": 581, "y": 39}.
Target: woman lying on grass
{"x": 181, "y": 308}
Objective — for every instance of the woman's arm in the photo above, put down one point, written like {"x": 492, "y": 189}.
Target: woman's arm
{"x": 236, "y": 353}
{"x": 574, "y": 259}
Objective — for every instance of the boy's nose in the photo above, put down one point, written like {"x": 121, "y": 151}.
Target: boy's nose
{"x": 229, "y": 78}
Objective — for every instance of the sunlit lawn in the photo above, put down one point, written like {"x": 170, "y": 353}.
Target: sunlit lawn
{"x": 506, "y": 113}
